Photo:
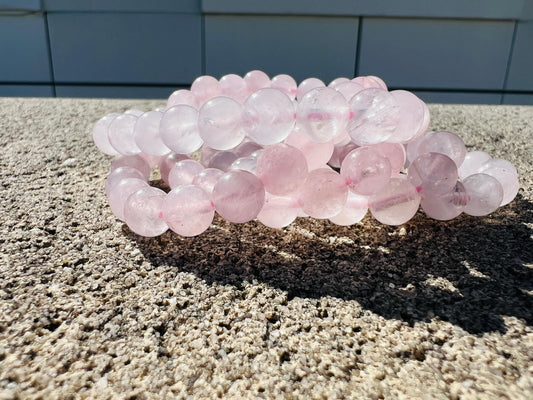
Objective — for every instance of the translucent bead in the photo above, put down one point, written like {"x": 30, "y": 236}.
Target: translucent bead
{"x": 446, "y": 143}
{"x": 147, "y": 136}
{"x": 245, "y": 164}
{"x": 337, "y": 81}
{"x": 179, "y": 129}
{"x": 188, "y": 211}
{"x": 238, "y": 196}
{"x": 121, "y": 173}
{"x": 353, "y": 211}
{"x": 183, "y": 173}
{"x": 485, "y": 194}
{"x": 286, "y": 84}
{"x": 182, "y": 97}
{"x": 134, "y": 111}
{"x": 375, "y": 116}
{"x": 143, "y": 212}
{"x": 222, "y": 160}
{"x": 307, "y": 85}
{"x": 396, "y": 203}
{"x": 278, "y": 211}
{"x": 410, "y": 118}
{"x": 121, "y": 191}
{"x": 153, "y": 161}
{"x": 256, "y": 80}
{"x": 220, "y": 123}
{"x": 365, "y": 170}
{"x": 167, "y": 163}
{"x": 370, "y": 81}
{"x": 472, "y": 163}
{"x": 121, "y": 135}
{"x": 348, "y": 89}
{"x": 425, "y": 121}
{"x": 445, "y": 206}
{"x": 316, "y": 154}
{"x": 395, "y": 153}
{"x": 246, "y": 148}
{"x": 412, "y": 147}
{"x": 235, "y": 87}
{"x": 324, "y": 114}
{"x": 137, "y": 162}
{"x": 433, "y": 173}
{"x": 207, "y": 179}
{"x": 268, "y": 116}
{"x": 205, "y": 88}
{"x": 506, "y": 175}
{"x": 100, "y": 134}
{"x": 323, "y": 193}
{"x": 282, "y": 169}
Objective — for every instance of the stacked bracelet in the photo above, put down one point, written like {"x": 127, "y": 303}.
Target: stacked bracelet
{"x": 272, "y": 150}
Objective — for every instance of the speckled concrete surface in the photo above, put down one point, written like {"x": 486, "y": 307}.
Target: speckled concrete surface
{"x": 429, "y": 310}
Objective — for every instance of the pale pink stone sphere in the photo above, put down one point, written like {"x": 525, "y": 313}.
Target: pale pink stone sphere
{"x": 395, "y": 153}
{"x": 100, "y": 134}
{"x": 411, "y": 148}
{"x": 153, "y": 161}
{"x": 506, "y": 175}
{"x": 306, "y": 85}
{"x": 256, "y": 80}
{"x": 411, "y": 116}
{"x": 446, "y": 143}
{"x": 121, "y": 173}
{"x": 121, "y": 191}
{"x": 143, "y": 212}
{"x": 182, "y": 97}
{"x": 370, "y": 81}
{"x": 445, "y": 206}
{"x": 268, "y": 116}
{"x": 376, "y": 115}
{"x": 136, "y": 161}
{"x": 234, "y": 86}
{"x": 472, "y": 163}
{"x": 348, "y": 89}
{"x": 183, "y": 173}
{"x": 282, "y": 169}
{"x": 147, "y": 134}
{"x": 316, "y": 154}
{"x": 179, "y": 129}
{"x": 122, "y": 136}
{"x": 238, "y": 196}
{"x": 337, "y": 81}
{"x": 222, "y": 160}
{"x": 246, "y": 148}
{"x": 286, "y": 84}
{"x": 246, "y": 164}
{"x": 323, "y": 113}
{"x": 396, "y": 203}
{"x": 134, "y": 111}
{"x": 167, "y": 163}
{"x": 278, "y": 211}
{"x": 365, "y": 170}
{"x": 433, "y": 173}
{"x": 323, "y": 193}
{"x": 205, "y": 88}
{"x": 353, "y": 211}
{"x": 220, "y": 123}
{"x": 485, "y": 194}
{"x": 207, "y": 179}
{"x": 188, "y": 211}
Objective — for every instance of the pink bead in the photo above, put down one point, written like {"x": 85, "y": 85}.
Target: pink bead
{"x": 395, "y": 153}
{"x": 365, "y": 170}
{"x": 137, "y": 162}
{"x": 121, "y": 135}
{"x": 348, "y": 89}
{"x": 183, "y": 173}
{"x": 411, "y": 116}
{"x": 340, "y": 153}
{"x": 143, "y": 212}
{"x": 207, "y": 179}
{"x": 323, "y": 193}
{"x": 246, "y": 148}
{"x": 396, "y": 203}
{"x": 121, "y": 173}
{"x": 485, "y": 194}
{"x": 205, "y": 88}
{"x": 412, "y": 147}
{"x": 182, "y": 97}
{"x": 307, "y": 85}
{"x": 153, "y": 161}
{"x": 433, "y": 173}
{"x": 222, "y": 160}
{"x": 256, "y": 80}
{"x": 337, "y": 81}
{"x": 500, "y": 163}
{"x": 167, "y": 163}
{"x": 425, "y": 121}
{"x": 100, "y": 134}
{"x": 134, "y": 111}
{"x": 147, "y": 136}
{"x": 445, "y": 206}
{"x": 238, "y": 196}
{"x": 370, "y": 81}
{"x": 324, "y": 114}
{"x": 286, "y": 84}
{"x": 446, "y": 143}
{"x": 245, "y": 164}
{"x": 220, "y": 123}
{"x": 282, "y": 169}
{"x": 472, "y": 163}
{"x": 278, "y": 211}
{"x": 179, "y": 129}
{"x": 188, "y": 211}
{"x": 120, "y": 193}
{"x": 506, "y": 175}
{"x": 375, "y": 116}
{"x": 316, "y": 154}
{"x": 268, "y": 116}
{"x": 235, "y": 87}
{"x": 353, "y": 211}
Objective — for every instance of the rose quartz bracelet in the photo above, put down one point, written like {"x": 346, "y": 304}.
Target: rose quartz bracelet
{"x": 274, "y": 150}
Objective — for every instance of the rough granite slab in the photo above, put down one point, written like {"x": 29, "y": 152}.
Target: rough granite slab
{"x": 428, "y": 310}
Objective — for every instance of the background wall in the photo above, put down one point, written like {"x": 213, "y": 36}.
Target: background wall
{"x": 476, "y": 51}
